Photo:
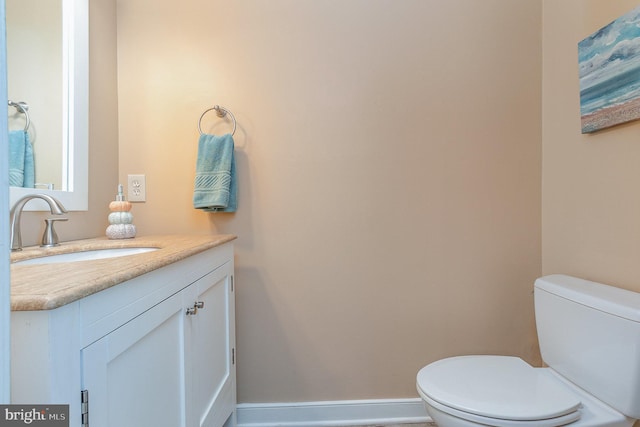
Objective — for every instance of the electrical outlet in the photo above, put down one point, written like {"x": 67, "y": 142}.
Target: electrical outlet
{"x": 137, "y": 186}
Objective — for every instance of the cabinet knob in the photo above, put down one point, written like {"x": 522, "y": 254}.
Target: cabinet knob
{"x": 192, "y": 311}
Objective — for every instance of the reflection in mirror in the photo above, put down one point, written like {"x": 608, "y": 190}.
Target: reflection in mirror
{"x": 47, "y": 73}
{"x": 34, "y": 77}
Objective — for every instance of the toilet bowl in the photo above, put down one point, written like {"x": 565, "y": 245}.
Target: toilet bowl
{"x": 504, "y": 391}
{"x": 589, "y": 337}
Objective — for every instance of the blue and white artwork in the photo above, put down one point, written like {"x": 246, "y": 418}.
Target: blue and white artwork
{"x": 609, "y": 61}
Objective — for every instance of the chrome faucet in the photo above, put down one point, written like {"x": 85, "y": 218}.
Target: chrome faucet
{"x": 55, "y": 207}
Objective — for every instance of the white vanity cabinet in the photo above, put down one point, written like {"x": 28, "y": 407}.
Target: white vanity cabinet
{"x": 158, "y": 350}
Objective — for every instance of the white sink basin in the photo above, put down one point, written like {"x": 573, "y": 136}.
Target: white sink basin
{"x": 86, "y": 255}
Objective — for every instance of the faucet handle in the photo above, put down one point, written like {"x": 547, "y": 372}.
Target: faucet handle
{"x": 50, "y": 238}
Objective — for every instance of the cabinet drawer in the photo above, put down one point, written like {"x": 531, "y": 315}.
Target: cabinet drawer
{"x": 105, "y": 311}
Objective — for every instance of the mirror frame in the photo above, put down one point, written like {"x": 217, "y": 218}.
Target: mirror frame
{"x": 75, "y": 167}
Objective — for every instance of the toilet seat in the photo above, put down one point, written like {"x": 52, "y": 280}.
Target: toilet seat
{"x": 496, "y": 422}
{"x": 500, "y": 391}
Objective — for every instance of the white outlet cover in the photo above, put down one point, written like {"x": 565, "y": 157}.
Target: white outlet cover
{"x": 137, "y": 188}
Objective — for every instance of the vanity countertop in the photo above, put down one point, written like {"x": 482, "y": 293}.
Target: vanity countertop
{"x": 49, "y": 286}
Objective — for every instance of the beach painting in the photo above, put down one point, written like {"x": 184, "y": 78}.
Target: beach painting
{"x": 609, "y": 62}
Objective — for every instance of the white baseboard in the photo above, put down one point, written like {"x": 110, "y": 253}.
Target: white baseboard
{"x": 332, "y": 413}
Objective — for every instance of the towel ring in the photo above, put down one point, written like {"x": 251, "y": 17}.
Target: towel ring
{"x": 220, "y": 112}
{"x": 23, "y": 108}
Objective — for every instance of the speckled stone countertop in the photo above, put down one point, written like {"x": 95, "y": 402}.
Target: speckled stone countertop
{"x": 49, "y": 286}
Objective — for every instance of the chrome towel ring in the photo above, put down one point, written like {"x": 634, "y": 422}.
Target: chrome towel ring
{"x": 23, "y": 108}
{"x": 220, "y": 112}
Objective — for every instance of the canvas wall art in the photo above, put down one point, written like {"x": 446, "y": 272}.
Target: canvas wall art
{"x": 609, "y": 62}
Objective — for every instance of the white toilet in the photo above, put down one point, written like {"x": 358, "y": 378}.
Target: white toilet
{"x": 589, "y": 337}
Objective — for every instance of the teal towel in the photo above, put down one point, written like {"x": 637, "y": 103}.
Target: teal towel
{"x": 215, "y": 183}
{"x": 21, "y": 165}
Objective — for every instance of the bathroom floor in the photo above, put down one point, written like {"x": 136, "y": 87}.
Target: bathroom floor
{"x": 404, "y": 425}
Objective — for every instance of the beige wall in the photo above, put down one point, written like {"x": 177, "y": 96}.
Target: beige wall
{"x": 389, "y": 166}
{"x": 591, "y": 203}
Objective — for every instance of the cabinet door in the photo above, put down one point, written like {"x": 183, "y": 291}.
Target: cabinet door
{"x": 210, "y": 348}
{"x": 135, "y": 376}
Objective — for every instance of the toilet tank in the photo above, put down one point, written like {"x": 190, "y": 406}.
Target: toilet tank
{"x": 590, "y": 334}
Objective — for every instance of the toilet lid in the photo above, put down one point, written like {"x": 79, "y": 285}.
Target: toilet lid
{"x": 498, "y": 387}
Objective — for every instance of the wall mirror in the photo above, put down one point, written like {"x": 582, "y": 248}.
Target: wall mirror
{"x": 48, "y": 92}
